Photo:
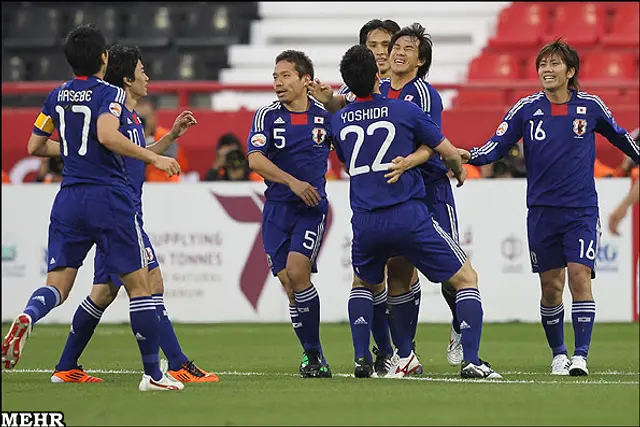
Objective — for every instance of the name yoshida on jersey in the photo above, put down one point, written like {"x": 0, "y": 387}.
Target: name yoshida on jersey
{"x": 559, "y": 146}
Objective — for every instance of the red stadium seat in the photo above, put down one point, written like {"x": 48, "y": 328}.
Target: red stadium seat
{"x": 581, "y": 24}
{"x": 625, "y": 27}
{"x": 521, "y": 25}
{"x": 478, "y": 98}
{"x": 610, "y": 65}
{"x": 494, "y": 66}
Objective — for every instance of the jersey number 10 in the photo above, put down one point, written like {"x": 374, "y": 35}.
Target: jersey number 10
{"x": 377, "y": 165}
{"x": 78, "y": 109}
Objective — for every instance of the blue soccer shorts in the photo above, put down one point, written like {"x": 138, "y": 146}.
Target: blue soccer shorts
{"x": 292, "y": 227}
{"x": 442, "y": 205}
{"x": 558, "y": 236}
{"x": 99, "y": 274}
{"x": 84, "y": 215}
{"x": 407, "y": 230}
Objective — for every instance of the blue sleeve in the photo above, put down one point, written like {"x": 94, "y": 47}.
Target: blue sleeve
{"x": 44, "y": 124}
{"x": 426, "y": 130}
{"x": 112, "y": 101}
{"x": 335, "y": 140}
{"x": 506, "y": 136}
{"x": 607, "y": 126}
{"x": 259, "y": 135}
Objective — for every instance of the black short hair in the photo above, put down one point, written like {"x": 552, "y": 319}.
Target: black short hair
{"x": 387, "y": 25}
{"x": 123, "y": 60}
{"x": 228, "y": 138}
{"x": 425, "y": 46}
{"x": 303, "y": 63}
{"x": 83, "y": 48}
{"x": 358, "y": 68}
{"x": 567, "y": 54}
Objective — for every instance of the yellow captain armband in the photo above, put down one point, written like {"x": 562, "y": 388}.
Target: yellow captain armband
{"x": 44, "y": 123}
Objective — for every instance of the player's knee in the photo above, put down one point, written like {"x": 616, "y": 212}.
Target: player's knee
{"x": 156, "y": 283}
{"x": 286, "y": 285}
{"x": 400, "y": 276}
{"x": 579, "y": 280}
{"x": 103, "y": 295}
{"x": 136, "y": 283}
{"x": 552, "y": 288}
{"x": 377, "y": 289}
{"x": 465, "y": 278}
{"x": 299, "y": 273}
{"x": 359, "y": 283}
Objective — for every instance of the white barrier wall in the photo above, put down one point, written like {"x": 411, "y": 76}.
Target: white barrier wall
{"x": 207, "y": 238}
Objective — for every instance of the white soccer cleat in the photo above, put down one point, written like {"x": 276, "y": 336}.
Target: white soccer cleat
{"x": 15, "y": 340}
{"x": 404, "y": 366}
{"x": 578, "y": 367}
{"x": 560, "y": 365}
{"x": 454, "y": 349}
{"x": 165, "y": 384}
{"x": 484, "y": 370}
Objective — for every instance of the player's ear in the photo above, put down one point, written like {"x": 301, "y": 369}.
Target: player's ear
{"x": 571, "y": 72}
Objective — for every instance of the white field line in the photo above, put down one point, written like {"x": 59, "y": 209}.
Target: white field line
{"x": 431, "y": 377}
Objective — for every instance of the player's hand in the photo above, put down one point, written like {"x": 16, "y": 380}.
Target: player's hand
{"x": 320, "y": 91}
{"x": 461, "y": 177}
{"x": 183, "y": 122}
{"x": 398, "y": 166}
{"x": 466, "y": 156}
{"x": 307, "y": 192}
{"x": 615, "y": 218}
{"x": 167, "y": 164}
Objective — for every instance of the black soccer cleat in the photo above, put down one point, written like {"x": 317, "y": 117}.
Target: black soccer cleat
{"x": 382, "y": 365}
{"x": 363, "y": 369}
{"x": 312, "y": 365}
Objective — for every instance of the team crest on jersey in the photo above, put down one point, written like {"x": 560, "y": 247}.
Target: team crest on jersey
{"x": 116, "y": 109}
{"x": 269, "y": 261}
{"x": 579, "y": 127}
{"x": 258, "y": 140}
{"x": 318, "y": 135}
{"x": 408, "y": 98}
{"x": 149, "y": 254}
{"x": 351, "y": 97}
{"x": 502, "y": 129}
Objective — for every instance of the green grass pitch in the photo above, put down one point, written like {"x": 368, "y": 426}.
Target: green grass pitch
{"x": 258, "y": 365}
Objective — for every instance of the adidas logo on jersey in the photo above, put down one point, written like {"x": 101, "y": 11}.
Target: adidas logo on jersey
{"x": 139, "y": 337}
{"x": 40, "y": 299}
{"x": 464, "y": 325}
{"x": 53, "y": 261}
{"x": 539, "y": 112}
{"x": 360, "y": 321}
{"x": 279, "y": 121}
{"x": 129, "y": 121}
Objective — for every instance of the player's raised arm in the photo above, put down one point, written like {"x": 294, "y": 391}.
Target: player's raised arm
{"x": 182, "y": 123}
{"x": 258, "y": 145}
{"x": 607, "y": 126}
{"x": 508, "y": 133}
{"x": 324, "y": 94}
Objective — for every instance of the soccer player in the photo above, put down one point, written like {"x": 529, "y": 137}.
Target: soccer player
{"x": 558, "y": 126}
{"x": 392, "y": 219}
{"x": 94, "y": 205}
{"x": 289, "y": 146}
{"x": 126, "y": 70}
{"x": 410, "y": 58}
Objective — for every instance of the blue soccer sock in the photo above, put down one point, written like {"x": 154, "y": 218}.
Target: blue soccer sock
{"x": 553, "y": 324}
{"x": 469, "y": 311}
{"x": 298, "y": 326}
{"x": 41, "y": 302}
{"x": 360, "y": 319}
{"x": 583, "y": 314}
{"x": 145, "y": 327}
{"x": 401, "y": 315}
{"x": 167, "y": 336}
{"x": 83, "y": 325}
{"x": 380, "y": 324}
{"x": 417, "y": 294}
{"x": 308, "y": 305}
{"x": 449, "y": 295}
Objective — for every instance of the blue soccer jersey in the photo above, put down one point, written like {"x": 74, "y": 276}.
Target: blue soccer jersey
{"x": 297, "y": 143}
{"x": 559, "y": 146}
{"x": 133, "y": 129}
{"x": 73, "y": 108}
{"x": 390, "y": 128}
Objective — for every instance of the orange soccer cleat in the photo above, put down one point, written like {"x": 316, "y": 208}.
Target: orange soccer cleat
{"x": 190, "y": 373}
{"x": 76, "y": 375}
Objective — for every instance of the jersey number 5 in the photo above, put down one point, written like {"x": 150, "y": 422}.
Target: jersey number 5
{"x": 377, "y": 165}
{"x": 78, "y": 109}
